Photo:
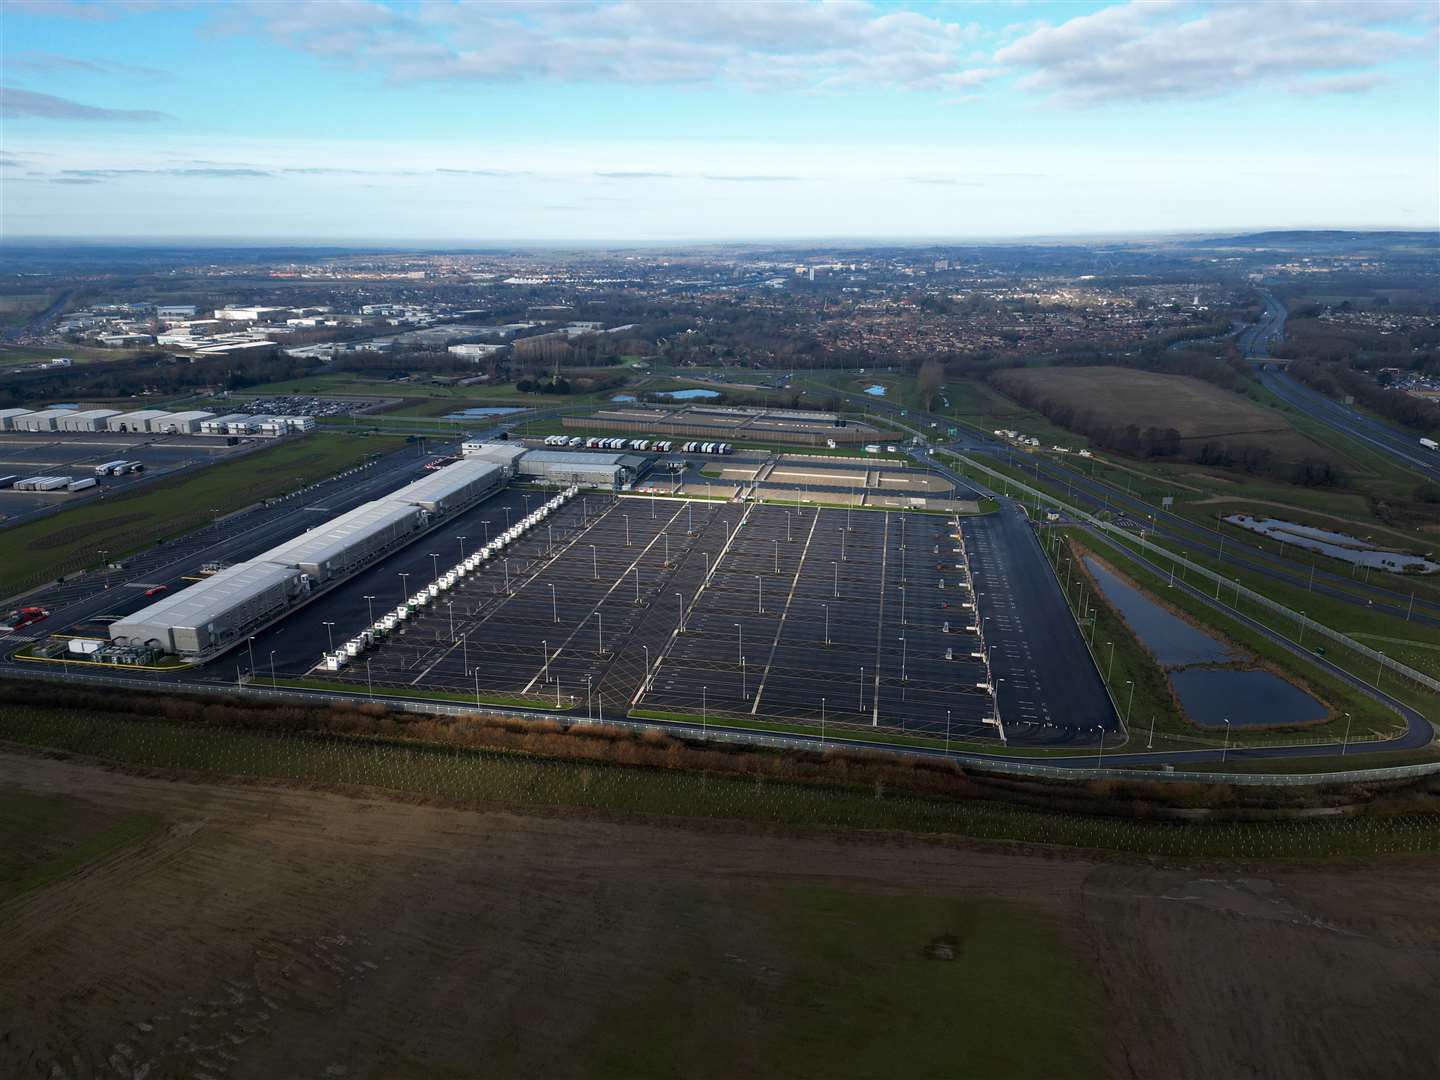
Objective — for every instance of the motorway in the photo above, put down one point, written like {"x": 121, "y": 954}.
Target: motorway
{"x": 1095, "y": 495}
{"x": 1188, "y": 538}
{"x": 1402, "y": 447}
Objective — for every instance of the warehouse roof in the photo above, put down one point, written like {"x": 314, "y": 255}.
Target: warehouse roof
{"x": 334, "y": 537}
{"x": 193, "y": 414}
{"x": 95, "y": 414}
{"x": 443, "y": 482}
{"x": 574, "y": 457}
{"x": 143, "y": 414}
{"x": 210, "y": 599}
{"x": 53, "y": 413}
{"x": 503, "y": 453}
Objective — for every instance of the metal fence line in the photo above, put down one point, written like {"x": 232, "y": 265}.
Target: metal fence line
{"x": 786, "y": 742}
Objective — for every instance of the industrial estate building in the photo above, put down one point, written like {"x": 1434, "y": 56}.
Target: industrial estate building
{"x": 732, "y": 424}
{"x": 153, "y": 422}
{"x": 581, "y": 468}
{"x": 212, "y": 615}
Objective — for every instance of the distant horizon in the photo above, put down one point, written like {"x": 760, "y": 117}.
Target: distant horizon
{"x": 477, "y": 245}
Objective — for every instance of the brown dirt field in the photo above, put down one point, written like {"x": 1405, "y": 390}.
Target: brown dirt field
{"x": 272, "y": 932}
{"x": 1199, "y": 411}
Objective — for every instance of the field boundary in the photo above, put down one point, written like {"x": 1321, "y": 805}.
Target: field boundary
{"x": 790, "y": 742}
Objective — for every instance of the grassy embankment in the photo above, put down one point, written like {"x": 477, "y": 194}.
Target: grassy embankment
{"x": 26, "y": 355}
{"x": 63, "y": 543}
{"x": 661, "y": 776}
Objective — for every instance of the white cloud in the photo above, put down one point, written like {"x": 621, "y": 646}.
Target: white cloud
{"x": 762, "y": 44}
{"x": 1167, "y": 49}
{"x": 16, "y": 103}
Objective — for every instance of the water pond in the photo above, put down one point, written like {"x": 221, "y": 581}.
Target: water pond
{"x": 875, "y": 391}
{"x": 1211, "y": 695}
{"x": 1245, "y": 698}
{"x": 1172, "y": 640}
{"x": 688, "y": 395}
{"x": 622, "y": 397}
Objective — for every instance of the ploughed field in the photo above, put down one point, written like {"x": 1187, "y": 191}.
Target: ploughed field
{"x": 160, "y": 927}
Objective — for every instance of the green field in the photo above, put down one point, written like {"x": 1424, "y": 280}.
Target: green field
{"x": 71, "y": 540}
{"x": 422, "y": 399}
{"x": 862, "y": 996}
{"x": 45, "y": 837}
{"x": 967, "y": 401}
{"x": 21, "y": 355}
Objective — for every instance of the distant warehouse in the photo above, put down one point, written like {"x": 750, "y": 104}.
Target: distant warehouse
{"x": 219, "y": 612}
{"x": 180, "y": 423}
{"x": 44, "y": 420}
{"x": 134, "y": 421}
{"x": 563, "y": 467}
{"x": 229, "y": 424}
{"x": 87, "y": 420}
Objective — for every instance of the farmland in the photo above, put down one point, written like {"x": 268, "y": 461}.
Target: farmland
{"x": 738, "y": 947}
{"x": 1202, "y": 414}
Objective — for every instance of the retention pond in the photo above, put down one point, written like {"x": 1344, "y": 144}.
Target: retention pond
{"x": 1202, "y": 669}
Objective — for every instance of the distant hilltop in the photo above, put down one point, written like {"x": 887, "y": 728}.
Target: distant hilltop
{"x": 1321, "y": 238}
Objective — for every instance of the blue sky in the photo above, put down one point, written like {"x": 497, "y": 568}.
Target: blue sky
{"x": 621, "y": 121}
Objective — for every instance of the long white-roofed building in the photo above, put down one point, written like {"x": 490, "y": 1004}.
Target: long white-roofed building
{"x": 219, "y": 612}
{"x": 215, "y": 611}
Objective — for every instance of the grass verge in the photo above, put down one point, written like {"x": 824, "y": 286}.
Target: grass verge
{"x": 63, "y": 543}
{"x": 487, "y": 777}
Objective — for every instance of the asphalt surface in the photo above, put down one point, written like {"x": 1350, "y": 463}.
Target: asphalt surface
{"x": 75, "y": 454}
{"x": 1049, "y": 689}
{"x": 1400, "y": 446}
{"x": 100, "y": 595}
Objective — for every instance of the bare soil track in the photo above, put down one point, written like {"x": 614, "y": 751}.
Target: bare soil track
{"x": 280, "y": 932}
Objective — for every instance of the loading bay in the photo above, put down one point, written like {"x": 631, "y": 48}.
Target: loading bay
{"x": 720, "y": 612}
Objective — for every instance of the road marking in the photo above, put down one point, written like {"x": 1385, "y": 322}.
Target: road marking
{"x": 780, "y": 629}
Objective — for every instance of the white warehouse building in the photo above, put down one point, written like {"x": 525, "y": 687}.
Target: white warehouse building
{"x": 195, "y": 620}
{"x": 44, "y": 420}
{"x": 9, "y": 416}
{"x": 135, "y": 421}
{"x": 180, "y": 423}
{"x": 221, "y": 611}
{"x": 86, "y": 420}
{"x": 229, "y": 424}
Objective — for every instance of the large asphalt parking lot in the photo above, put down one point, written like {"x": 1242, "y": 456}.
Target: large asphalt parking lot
{"x": 736, "y": 612}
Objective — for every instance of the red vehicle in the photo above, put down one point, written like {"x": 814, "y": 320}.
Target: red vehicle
{"x": 23, "y": 617}
{"x": 157, "y": 590}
